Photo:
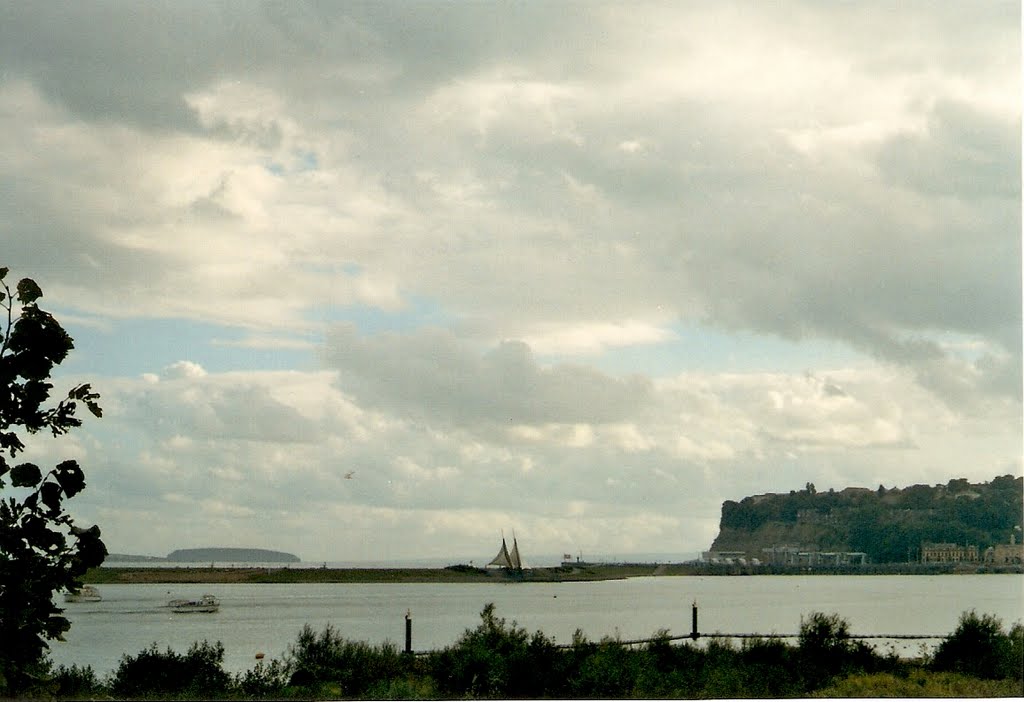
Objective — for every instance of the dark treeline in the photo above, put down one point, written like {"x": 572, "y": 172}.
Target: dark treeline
{"x": 499, "y": 659}
{"x": 889, "y": 524}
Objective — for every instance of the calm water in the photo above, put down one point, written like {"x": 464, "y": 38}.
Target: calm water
{"x": 267, "y": 618}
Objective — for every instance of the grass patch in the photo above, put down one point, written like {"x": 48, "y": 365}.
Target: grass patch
{"x": 920, "y": 683}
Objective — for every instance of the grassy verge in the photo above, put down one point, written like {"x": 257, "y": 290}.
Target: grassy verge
{"x": 921, "y": 683}
{"x": 463, "y": 574}
{"x": 457, "y": 574}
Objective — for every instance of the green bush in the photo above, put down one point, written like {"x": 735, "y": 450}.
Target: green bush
{"x": 768, "y": 666}
{"x": 496, "y": 659}
{"x": 152, "y": 673}
{"x": 980, "y": 648}
{"x": 76, "y": 681}
{"x": 1015, "y": 660}
{"x": 262, "y": 681}
{"x": 409, "y": 688}
{"x": 612, "y": 670}
{"x": 826, "y": 650}
{"x": 667, "y": 669}
{"x": 354, "y": 666}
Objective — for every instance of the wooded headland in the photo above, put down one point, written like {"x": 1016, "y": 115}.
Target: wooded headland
{"x": 879, "y": 526}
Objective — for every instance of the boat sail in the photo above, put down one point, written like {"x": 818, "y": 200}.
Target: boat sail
{"x": 517, "y": 563}
{"x": 504, "y": 559}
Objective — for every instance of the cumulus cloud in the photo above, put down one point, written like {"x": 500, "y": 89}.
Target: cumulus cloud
{"x": 274, "y": 449}
{"x": 492, "y": 223}
{"x": 431, "y": 373}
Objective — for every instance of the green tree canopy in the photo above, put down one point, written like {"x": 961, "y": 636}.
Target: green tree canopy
{"x": 42, "y": 551}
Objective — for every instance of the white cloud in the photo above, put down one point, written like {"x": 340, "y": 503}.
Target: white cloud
{"x": 593, "y": 337}
{"x": 702, "y": 438}
{"x": 485, "y": 193}
{"x": 183, "y": 369}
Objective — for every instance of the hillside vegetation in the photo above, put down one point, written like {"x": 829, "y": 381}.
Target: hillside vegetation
{"x": 889, "y": 525}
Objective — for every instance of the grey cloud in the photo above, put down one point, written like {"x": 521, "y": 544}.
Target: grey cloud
{"x": 121, "y": 61}
{"x": 432, "y": 374}
{"x": 965, "y": 153}
{"x": 202, "y": 409}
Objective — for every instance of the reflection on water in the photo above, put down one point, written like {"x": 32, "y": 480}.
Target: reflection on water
{"x": 268, "y": 618}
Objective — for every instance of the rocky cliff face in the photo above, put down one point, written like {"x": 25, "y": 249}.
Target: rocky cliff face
{"x": 806, "y": 537}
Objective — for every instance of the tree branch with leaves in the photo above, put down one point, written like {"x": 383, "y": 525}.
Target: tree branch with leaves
{"x": 42, "y": 551}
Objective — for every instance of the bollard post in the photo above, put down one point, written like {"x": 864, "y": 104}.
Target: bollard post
{"x": 693, "y": 631}
{"x": 408, "y": 631}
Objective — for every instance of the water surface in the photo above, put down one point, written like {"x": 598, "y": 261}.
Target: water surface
{"x": 267, "y": 618}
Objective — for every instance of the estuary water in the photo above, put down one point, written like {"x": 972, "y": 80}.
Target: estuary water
{"x": 267, "y": 618}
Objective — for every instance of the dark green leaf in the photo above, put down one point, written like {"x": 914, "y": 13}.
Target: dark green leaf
{"x": 70, "y": 477}
{"x": 50, "y": 494}
{"x": 25, "y": 475}
{"x": 86, "y": 395}
{"x": 10, "y": 441}
{"x": 28, "y": 291}
{"x": 55, "y": 626}
{"x": 3, "y": 272}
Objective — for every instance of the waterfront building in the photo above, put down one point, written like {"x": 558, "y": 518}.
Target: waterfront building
{"x": 948, "y": 553}
{"x": 1006, "y": 554}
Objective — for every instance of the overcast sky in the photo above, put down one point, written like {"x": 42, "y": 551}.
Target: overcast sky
{"x": 380, "y": 280}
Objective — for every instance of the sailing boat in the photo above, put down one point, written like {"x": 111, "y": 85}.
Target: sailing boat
{"x": 505, "y": 559}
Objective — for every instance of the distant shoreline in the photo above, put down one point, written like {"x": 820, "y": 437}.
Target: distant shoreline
{"x": 461, "y": 574}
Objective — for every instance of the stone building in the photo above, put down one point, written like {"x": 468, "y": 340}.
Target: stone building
{"x": 1005, "y": 554}
{"x": 948, "y": 553}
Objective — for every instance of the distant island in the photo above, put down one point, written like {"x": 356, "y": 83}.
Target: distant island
{"x": 203, "y": 555}
{"x": 956, "y": 522}
{"x": 132, "y": 558}
{"x": 230, "y": 555}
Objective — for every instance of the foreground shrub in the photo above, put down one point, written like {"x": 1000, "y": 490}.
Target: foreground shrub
{"x": 353, "y": 666}
{"x": 197, "y": 673}
{"x": 262, "y": 681}
{"x": 496, "y": 659}
{"x": 768, "y": 666}
{"x": 668, "y": 670}
{"x": 826, "y": 650}
{"x": 410, "y": 688}
{"x": 612, "y": 670}
{"x": 77, "y": 682}
{"x": 979, "y": 647}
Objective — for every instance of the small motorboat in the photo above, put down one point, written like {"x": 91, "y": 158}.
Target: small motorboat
{"x": 87, "y": 593}
{"x": 205, "y": 604}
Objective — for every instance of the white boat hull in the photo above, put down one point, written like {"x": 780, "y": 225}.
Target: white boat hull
{"x": 207, "y": 604}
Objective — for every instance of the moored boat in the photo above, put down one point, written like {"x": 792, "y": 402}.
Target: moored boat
{"x": 87, "y": 593}
{"x": 205, "y": 604}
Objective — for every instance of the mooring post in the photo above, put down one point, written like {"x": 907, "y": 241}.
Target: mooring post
{"x": 408, "y": 631}
{"x": 693, "y": 630}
